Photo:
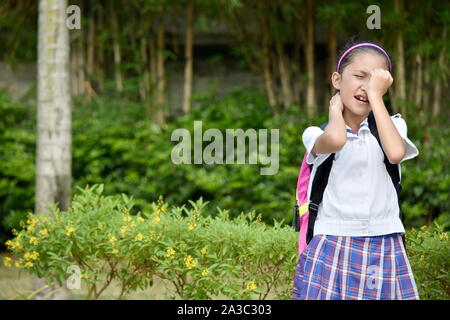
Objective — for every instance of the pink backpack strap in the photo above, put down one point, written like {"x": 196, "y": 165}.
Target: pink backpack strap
{"x": 303, "y": 202}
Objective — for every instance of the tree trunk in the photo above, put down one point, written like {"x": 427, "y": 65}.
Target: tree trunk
{"x": 332, "y": 57}
{"x": 438, "y": 82}
{"x": 100, "y": 54}
{"x": 425, "y": 89}
{"x": 158, "y": 115}
{"x": 80, "y": 56}
{"x": 285, "y": 79}
{"x": 116, "y": 51}
{"x": 189, "y": 57}
{"x": 417, "y": 92}
{"x": 54, "y": 140}
{"x": 400, "y": 90}
{"x": 309, "y": 54}
{"x": 145, "y": 79}
{"x": 73, "y": 65}
{"x": 296, "y": 73}
{"x": 90, "y": 46}
{"x": 268, "y": 80}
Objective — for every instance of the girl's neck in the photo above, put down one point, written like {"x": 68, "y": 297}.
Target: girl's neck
{"x": 353, "y": 120}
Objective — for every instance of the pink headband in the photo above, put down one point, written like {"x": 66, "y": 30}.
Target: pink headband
{"x": 365, "y": 44}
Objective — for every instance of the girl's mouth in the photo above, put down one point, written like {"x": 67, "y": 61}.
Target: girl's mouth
{"x": 362, "y": 99}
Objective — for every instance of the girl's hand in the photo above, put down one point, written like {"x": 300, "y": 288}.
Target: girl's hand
{"x": 379, "y": 83}
{"x": 336, "y": 103}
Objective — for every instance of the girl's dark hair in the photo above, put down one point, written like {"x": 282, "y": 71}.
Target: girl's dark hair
{"x": 349, "y": 56}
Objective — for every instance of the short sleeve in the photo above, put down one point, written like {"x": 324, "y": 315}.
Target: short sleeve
{"x": 400, "y": 124}
{"x": 309, "y": 138}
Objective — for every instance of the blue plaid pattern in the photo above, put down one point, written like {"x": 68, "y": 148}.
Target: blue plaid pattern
{"x": 354, "y": 268}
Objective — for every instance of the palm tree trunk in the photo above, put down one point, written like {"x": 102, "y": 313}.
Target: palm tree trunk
{"x": 54, "y": 140}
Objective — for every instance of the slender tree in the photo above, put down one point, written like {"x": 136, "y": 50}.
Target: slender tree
{"x": 188, "y": 53}
{"x": 54, "y": 158}
{"x": 309, "y": 55}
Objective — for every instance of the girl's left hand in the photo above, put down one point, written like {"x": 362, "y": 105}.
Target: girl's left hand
{"x": 379, "y": 82}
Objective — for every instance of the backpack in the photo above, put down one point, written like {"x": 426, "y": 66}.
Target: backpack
{"x": 305, "y": 210}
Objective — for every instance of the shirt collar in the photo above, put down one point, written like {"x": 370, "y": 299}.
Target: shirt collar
{"x": 363, "y": 126}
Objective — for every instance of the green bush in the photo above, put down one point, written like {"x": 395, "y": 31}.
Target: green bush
{"x": 429, "y": 254}
{"x": 202, "y": 256}
{"x": 17, "y": 163}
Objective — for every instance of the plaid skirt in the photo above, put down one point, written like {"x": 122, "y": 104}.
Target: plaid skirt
{"x": 341, "y": 268}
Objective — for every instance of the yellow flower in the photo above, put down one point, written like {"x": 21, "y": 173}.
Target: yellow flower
{"x": 13, "y": 245}
{"x": 204, "y": 250}
{"x": 84, "y": 276}
{"x": 69, "y": 230}
{"x": 443, "y": 236}
{"x": 31, "y": 224}
{"x": 112, "y": 239}
{"x": 192, "y": 226}
{"x": 205, "y": 272}
{"x": 127, "y": 218}
{"x": 139, "y": 237}
{"x": 31, "y": 256}
{"x": 44, "y": 233}
{"x": 251, "y": 285}
{"x": 423, "y": 227}
{"x": 189, "y": 262}
{"x": 124, "y": 230}
{"x": 140, "y": 219}
{"x": 115, "y": 251}
{"x": 170, "y": 253}
{"x": 28, "y": 264}
{"x": 34, "y": 241}
{"x": 422, "y": 258}
{"x": 156, "y": 220}
{"x": 18, "y": 263}
{"x": 7, "y": 261}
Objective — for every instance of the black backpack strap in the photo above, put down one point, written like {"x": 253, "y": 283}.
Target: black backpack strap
{"x": 317, "y": 189}
{"x": 392, "y": 169}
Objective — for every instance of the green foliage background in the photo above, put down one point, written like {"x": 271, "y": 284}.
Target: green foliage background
{"x": 114, "y": 145}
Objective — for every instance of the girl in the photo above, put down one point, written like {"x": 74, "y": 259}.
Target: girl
{"x": 357, "y": 250}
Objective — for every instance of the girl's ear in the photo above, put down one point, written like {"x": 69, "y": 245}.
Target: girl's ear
{"x": 336, "y": 80}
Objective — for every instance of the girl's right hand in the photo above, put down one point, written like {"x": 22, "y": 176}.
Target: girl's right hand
{"x": 336, "y": 103}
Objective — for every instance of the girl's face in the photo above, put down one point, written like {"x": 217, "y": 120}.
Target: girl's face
{"x": 354, "y": 80}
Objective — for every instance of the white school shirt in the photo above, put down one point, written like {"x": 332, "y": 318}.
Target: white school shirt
{"x": 360, "y": 198}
